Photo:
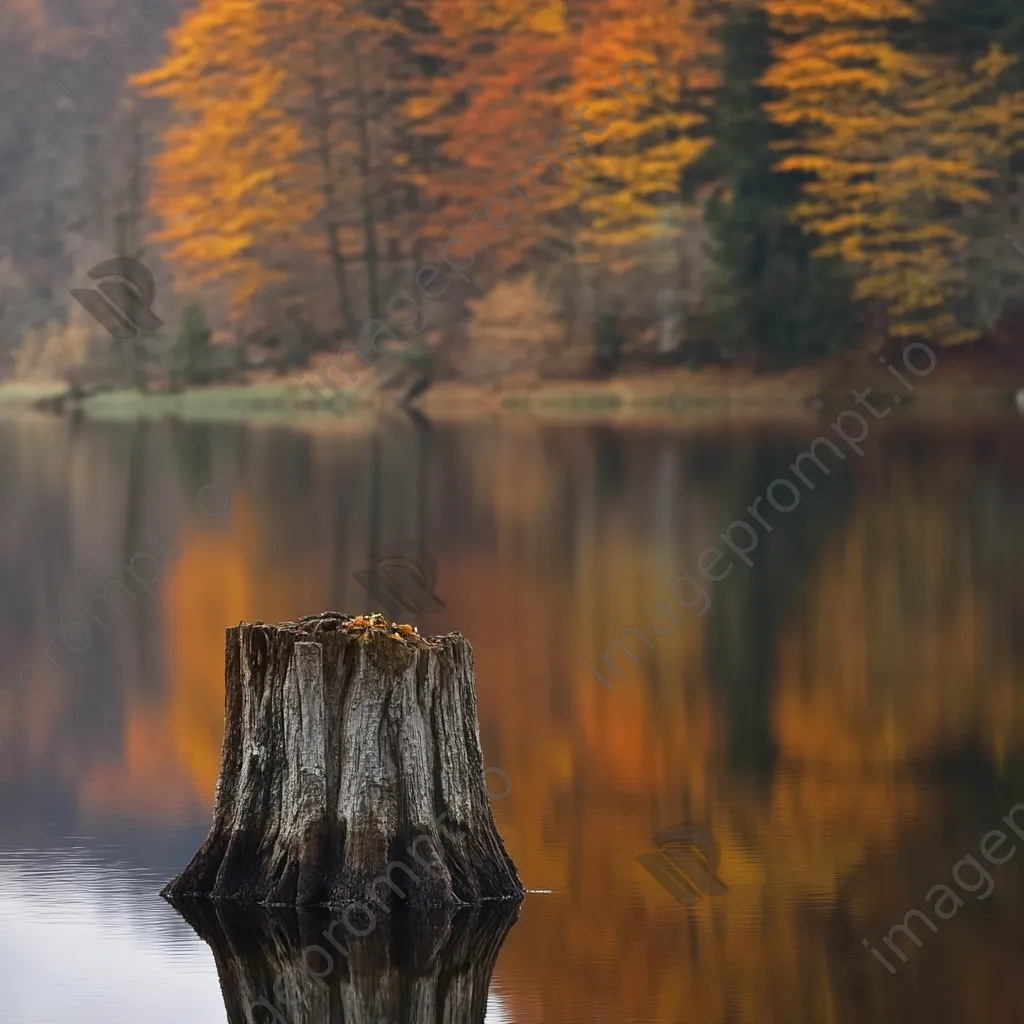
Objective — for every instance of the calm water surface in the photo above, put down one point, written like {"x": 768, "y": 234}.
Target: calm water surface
{"x": 847, "y": 719}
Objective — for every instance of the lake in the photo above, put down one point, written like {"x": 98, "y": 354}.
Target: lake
{"x": 845, "y": 719}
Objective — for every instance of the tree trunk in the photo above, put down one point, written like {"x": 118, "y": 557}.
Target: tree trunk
{"x": 368, "y": 194}
{"x": 332, "y": 225}
{"x": 351, "y": 753}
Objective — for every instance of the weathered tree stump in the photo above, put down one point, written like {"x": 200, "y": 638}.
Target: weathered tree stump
{"x": 351, "y": 756}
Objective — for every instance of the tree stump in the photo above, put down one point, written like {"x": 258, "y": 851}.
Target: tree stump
{"x": 351, "y": 756}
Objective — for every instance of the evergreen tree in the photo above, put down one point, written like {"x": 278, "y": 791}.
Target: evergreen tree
{"x": 769, "y": 295}
{"x": 967, "y": 28}
{"x": 194, "y": 345}
{"x": 902, "y": 150}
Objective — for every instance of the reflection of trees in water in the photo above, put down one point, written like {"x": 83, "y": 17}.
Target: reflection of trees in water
{"x": 878, "y": 628}
{"x": 402, "y": 513}
{"x": 416, "y": 969}
{"x": 911, "y": 614}
{"x": 803, "y": 653}
{"x": 752, "y": 603}
{"x": 899, "y": 708}
{"x": 192, "y": 452}
{"x": 923, "y": 533}
{"x": 968, "y": 968}
{"x": 876, "y": 633}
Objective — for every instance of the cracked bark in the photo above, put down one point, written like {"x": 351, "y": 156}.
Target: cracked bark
{"x": 351, "y": 765}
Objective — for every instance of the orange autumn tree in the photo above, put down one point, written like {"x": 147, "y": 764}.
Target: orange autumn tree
{"x": 492, "y": 113}
{"x": 529, "y": 108}
{"x": 898, "y": 146}
{"x": 518, "y": 74}
{"x": 491, "y": 105}
{"x": 267, "y": 178}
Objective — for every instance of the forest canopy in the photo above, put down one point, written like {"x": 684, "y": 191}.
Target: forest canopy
{"x": 541, "y": 184}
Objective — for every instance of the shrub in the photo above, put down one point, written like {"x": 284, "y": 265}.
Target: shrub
{"x": 512, "y": 329}
{"x": 56, "y": 351}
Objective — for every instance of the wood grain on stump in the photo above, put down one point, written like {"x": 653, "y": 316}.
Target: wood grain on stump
{"x": 351, "y": 768}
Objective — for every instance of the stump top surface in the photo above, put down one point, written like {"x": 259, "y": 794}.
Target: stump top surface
{"x": 369, "y": 625}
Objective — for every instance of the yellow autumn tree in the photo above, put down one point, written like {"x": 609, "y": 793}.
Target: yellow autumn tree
{"x": 897, "y": 145}
{"x": 492, "y": 104}
{"x": 227, "y": 184}
{"x": 639, "y": 75}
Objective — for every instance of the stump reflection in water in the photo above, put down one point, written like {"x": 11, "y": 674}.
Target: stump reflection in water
{"x": 418, "y": 968}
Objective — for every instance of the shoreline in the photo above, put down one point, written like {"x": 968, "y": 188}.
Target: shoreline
{"x": 962, "y": 387}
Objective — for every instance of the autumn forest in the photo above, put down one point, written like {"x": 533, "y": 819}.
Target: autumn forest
{"x": 553, "y": 186}
{"x": 596, "y": 284}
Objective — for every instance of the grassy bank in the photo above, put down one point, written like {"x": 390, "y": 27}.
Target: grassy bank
{"x": 961, "y": 383}
{"x": 229, "y": 403}
{"x": 957, "y": 385}
{"x": 285, "y": 400}
{"x": 25, "y": 395}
